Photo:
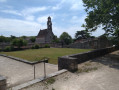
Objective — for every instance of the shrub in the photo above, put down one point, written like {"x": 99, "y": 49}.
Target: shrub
{"x": 7, "y": 49}
{"x": 35, "y": 46}
{"x": 47, "y": 46}
{"x": 32, "y": 47}
{"x": 32, "y": 39}
{"x": 50, "y": 81}
{"x": 19, "y": 43}
{"x": 12, "y": 48}
{"x": 0, "y": 49}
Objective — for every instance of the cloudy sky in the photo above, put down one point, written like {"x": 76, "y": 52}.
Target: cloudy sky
{"x": 27, "y": 17}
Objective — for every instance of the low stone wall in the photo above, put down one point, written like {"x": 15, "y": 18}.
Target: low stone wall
{"x": 70, "y": 62}
{"x": 3, "y": 83}
{"x": 25, "y": 61}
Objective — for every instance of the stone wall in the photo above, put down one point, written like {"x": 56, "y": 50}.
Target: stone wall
{"x": 2, "y": 83}
{"x": 96, "y": 43}
{"x": 71, "y": 62}
{"x": 29, "y": 45}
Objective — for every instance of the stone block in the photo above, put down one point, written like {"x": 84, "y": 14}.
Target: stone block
{"x": 2, "y": 83}
{"x": 68, "y": 63}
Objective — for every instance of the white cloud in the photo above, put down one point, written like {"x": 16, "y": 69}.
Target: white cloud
{"x": 33, "y": 10}
{"x": 43, "y": 19}
{"x": 27, "y": 13}
{"x": 70, "y": 30}
{"x": 78, "y": 20}
{"x": 19, "y": 27}
{"x": 3, "y": 0}
{"x": 30, "y": 18}
{"x": 11, "y": 12}
{"x": 59, "y": 5}
{"x": 73, "y": 4}
{"x": 77, "y": 5}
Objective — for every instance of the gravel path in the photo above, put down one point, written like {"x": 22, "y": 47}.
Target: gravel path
{"x": 98, "y": 74}
{"x": 17, "y": 72}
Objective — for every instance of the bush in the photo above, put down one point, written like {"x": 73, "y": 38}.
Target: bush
{"x": 47, "y": 46}
{"x": 12, "y": 48}
{"x": 32, "y": 47}
{"x": 0, "y": 49}
{"x": 35, "y": 46}
{"x": 7, "y": 49}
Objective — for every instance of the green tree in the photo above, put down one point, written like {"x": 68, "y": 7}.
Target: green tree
{"x": 102, "y": 12}
{"x": 4, "y": 39}
{"x": 12, "y": 37}
{"x": 23, "y": 37}
{"x": 33, "y": 39}
{"x": 55, "y": 39}
{"x": 19, "y": 43}
{"x": 83, "y": 34}
{"x": 66, "y": 38}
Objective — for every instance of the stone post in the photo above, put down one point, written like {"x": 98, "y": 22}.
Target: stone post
{"x": 68, "y": 63}
{"x": 3, "y": 84}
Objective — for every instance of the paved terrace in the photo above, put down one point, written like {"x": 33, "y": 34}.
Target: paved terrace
{"x": 98, "y": 74}
{"x": 17, "y": 72}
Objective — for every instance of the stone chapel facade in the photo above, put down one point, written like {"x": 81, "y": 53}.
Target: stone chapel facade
{"x": 46, "y": 35}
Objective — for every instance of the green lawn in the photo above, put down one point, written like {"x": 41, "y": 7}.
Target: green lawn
{"x": 38, "y": 54}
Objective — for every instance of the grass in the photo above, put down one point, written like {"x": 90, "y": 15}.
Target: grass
{"x": 38, "y": 54}
{"x": 86, "y": 69}
{"x": 50, "y": 81}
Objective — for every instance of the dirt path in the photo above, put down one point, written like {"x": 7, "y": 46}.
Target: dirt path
{"x": 17, "y": 72}
{"x": 98, "y": 74}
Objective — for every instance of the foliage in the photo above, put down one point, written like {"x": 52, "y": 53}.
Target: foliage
{"x": 102, "y": 12}
{"x": 33, "y": 39}
{"x": 50, "y": 81}
{"x": 12, "y": 37}
{"x": 7, "y": 49}
{"x": 66, "y": 38}
{"x": 19, "y": 43}
{"x": 4, "y": 39}
{"x": 83, "y": 34}
{"x": 36, "y": 46}
{"x": 47, "y": 46}
{"x": 23, "y": 37}
{"x": 0, "y": 49}
{"x": 55, "y": 39}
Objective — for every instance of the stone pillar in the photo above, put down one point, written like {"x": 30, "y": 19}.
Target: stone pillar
{"x": 68, "y": 63}
{"x": 3, "y": 84}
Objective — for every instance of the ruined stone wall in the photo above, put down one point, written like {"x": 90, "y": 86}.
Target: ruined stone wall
{"x": 70, "y": 62}
{"x": 93, "y": 44}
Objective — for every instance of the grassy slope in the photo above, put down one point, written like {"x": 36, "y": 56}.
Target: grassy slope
{"x": 52, "y": 53}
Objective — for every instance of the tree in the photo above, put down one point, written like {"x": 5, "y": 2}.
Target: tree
{"x": 19, "y": 43}
{"x": 33, "y": 39}
{"x": 83, "y": 34}
{"x": 102, "y": 12}
{"x": 55, "y": 39}
{"x": 66, "y": 38}
{"x": 23, "y": 37}
{"x": 4, "y": 39}
{"x": 12, "y": 37}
